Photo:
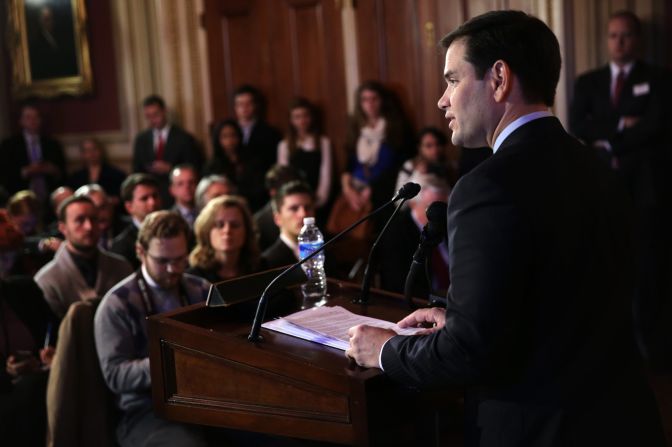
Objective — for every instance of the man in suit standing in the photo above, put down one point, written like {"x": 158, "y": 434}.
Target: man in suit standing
{"x": 619, "y": 109}
{"x": 537, "y": 322}
{"x": 293, "y": 202}
{"x": 260, "y": 141}
{"x": 163, "y": 145}
{"x": 32, "y": 160}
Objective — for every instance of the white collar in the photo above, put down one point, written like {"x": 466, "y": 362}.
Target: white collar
{"x": 615, "y": 69}
{"x": 148, "y": 278}
{"x": 508, "y": 130}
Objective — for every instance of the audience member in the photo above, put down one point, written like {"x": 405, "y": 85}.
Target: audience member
{"x": 25, "y": 320}
{"x": 120, "y": 327}
{"x": 108, "y": 223}
{"x": 432, "y": 158}
{"x": 140, "y": 193}
{"x": 80, "y": 270}
{"x": 163, "y": 145}
{"x": 97, "y": 170}
{"x": 275, "y": 177}
{"x": 31, "y": 160}
{"x": 238, "y": 164}
{"x": 23, "y": 210}
{"x": 291, "y": 204}
{"x": 212, "y": 186}
{"x": 403, "y": 237}
{"x": 11, "y": 241}
{"x": 376, "y": 140}
{"x": 307, "y": 149}
{"x": 183, "y": 181}
{"x": 226, "y": 241}
{"x": 620, "y": 110}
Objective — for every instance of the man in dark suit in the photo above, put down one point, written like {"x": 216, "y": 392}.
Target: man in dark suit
{"x": 401, "y": 240}
{"x": 294, "y": 201}
{"x": 620, "y": 109}
{"x": 158, "y": 149}
{"x": 260, "y": 140}
{"x": 537, "y": 323}
{"x": 31, "y": 160}
{"x": 140, "y": 193}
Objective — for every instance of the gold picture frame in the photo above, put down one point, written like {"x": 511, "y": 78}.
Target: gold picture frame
{"x": 49, "y": 48}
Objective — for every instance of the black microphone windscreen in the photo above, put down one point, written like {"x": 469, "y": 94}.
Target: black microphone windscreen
{"x": 408, "y": 191}
{"x": 437, "y": 211}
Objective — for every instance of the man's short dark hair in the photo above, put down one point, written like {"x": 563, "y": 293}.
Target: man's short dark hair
{"x": 257, "y": 98}
{"x": 133, "y": 181}
{"x": 63, "y": 207}
{"x": 162, "y": 225}
{"x": 278, "y": 175}
{"x": 289, "y": 189}
{"x": 524, "y": 42}
{"x": 154, "y": 100}
{"x": 630, "y": 16}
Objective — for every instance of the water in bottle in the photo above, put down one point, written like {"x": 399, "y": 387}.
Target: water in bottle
{"x": 310, "y": 239}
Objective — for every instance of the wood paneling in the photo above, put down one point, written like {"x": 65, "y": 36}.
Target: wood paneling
{"x": 285, "y": 48}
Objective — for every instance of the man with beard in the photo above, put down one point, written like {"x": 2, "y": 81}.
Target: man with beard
{"x": 80, "y": 270}
{"x": 120, "y": 328}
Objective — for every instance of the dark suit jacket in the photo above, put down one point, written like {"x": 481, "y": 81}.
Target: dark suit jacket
{"x": 268, "y": 230}
{"x": 640, "y": 148}
{"x": 124, "y": 245}
{"x": 110, "y": 179}
{"x": 396, "y": 253}
{"x": 278, "y": 255}
{"x": 180, "y": 148}
{"x": 14, "y": 155}
{"x": 538, "y": 314}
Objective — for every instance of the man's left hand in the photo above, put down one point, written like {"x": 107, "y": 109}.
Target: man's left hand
{"x": 366, "y": 342}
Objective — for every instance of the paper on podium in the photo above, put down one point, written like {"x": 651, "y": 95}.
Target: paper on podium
{"x": 328, "y": 325}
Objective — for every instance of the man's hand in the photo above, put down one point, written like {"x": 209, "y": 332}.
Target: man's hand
{"x": 18, "y": 366}
{"x": 366, "y": 343}
{"x": 160, "y": 167}
{"x": 47, "y": 355}
{"x": 630, "y": 121}
{"x": 432, "y": 316}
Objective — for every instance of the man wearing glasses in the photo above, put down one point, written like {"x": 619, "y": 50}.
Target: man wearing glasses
{"x": 120, "y": 326}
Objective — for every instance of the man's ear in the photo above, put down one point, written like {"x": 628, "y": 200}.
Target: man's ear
{"x": 276, "y": 219}
{"x": 127, "y": 207}
{"x": 61, "y": 227}
{"x": 501, "y": 79}
{"x": 139, "y": 251}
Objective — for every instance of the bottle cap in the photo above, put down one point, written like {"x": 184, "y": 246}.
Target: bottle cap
{"x": 308, "y": 220}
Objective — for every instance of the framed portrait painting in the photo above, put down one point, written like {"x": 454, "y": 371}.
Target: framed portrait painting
{"x": 49, "y": 48}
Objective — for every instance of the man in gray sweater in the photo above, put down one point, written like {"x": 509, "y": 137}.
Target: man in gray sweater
{"x": 80, "y": 270}
{"x": 120, "y": 326}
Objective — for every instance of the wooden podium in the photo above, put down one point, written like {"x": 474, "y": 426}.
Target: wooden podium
{"x": 205, "y": 371}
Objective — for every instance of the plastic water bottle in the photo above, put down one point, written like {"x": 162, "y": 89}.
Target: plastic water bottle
{"x": 310, "y": 239}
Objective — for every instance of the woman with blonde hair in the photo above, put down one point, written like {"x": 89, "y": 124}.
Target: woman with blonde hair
{"x": 226, "y": 240}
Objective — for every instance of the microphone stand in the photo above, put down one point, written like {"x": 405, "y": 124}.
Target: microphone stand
{"x": 366, "y": 281}
{"x": 263, "y": 301}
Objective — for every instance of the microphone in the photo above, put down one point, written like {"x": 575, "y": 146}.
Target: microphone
{"x": 408, "y": 191}
{"x": 433, "y": 233}
{"x": 405, "y": 192}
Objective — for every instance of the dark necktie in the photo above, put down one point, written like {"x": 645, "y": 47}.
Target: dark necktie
{"x": 160, "y": 146}
{"x": 618, "y": 87}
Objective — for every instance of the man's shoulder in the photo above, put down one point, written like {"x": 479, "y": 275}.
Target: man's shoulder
{"x": 197, "y": 287}
{"x": 114, "y": 260}
{"x": 595, "y": 75}
{"x": 57, "y": 265}
{"x": 122, "y": 291}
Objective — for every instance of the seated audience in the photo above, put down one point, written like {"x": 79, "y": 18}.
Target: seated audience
{"x": 108, "y": 223}
{"x": 403, "y": 236}
{"x": 38, "y": 248}
{"x": 183, "y": 181}
{"x": 80, "y": 270}
{"x": 25, "y": 319}
{"x": 212, "y": 186}
{"x": 97, "y": 170}
{"x": 275, "y": 177}
{"x": 307, "y": 149}
{"x": 226, "y": 241}
{"x": 432, "y": 158}
{"x": 291, "y": 204}
{"x": 57, "y": 197}
{"x": 140, "y": 193}
{"x": 120, "y": 327}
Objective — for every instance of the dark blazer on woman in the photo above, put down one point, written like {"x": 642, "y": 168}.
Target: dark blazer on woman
{"x": 538, "y": 314}
{"x": 110, "y": 179}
